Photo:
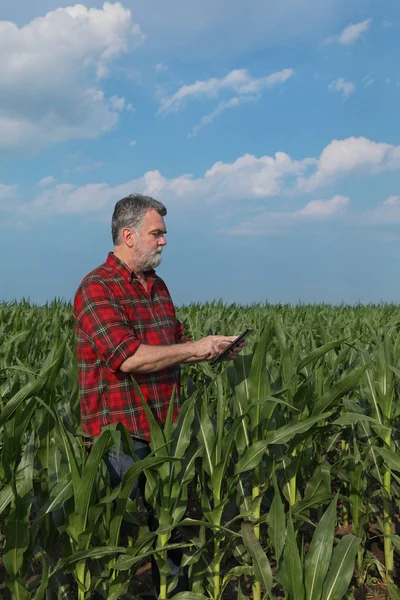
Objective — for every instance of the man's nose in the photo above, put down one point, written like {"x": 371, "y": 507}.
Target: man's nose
{"x": 162, "y": 241}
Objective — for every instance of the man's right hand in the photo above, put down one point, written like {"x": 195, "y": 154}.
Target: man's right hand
{"x": 209, "y": 347}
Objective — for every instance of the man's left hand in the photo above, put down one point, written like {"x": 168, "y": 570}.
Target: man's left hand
{"x": 236, "y": 350}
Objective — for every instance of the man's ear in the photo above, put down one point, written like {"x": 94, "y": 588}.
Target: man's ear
{"x": 129, "y": 237}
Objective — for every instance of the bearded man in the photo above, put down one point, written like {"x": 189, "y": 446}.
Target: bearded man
{"x": 126, "y": 325}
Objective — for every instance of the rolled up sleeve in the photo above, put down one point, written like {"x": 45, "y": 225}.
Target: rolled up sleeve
{"x": 181, "y": 338}
{"x": 102, "y": 320}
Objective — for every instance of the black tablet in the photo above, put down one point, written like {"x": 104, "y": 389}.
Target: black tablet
{"x": 235, "y": 342}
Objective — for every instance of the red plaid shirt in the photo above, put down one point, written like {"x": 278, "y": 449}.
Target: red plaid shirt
{"x": 114, "y": 315}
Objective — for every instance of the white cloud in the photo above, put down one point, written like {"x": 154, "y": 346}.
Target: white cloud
{"x": 386, "y": 213}
{"x": 119, "y": 104}
{"x": 50, "y": 180}
{"x": 8, "y": 200}
{"x": 132, "y": 143}
{"x": 368, "y": 80}
{"x": 160, "y": 67}
{"x": 344, "y": 87}
{"x": 341, "y": 157}
{"x": 316, "y": 211}
{"x": 350, "y": 34}
{"x": 321, "y": 209}
{"x": 51, "y": 71}
{"x": 7, "y": 191}
{"x": 208, "y": 119}
{"x": 246, "y": 178}
{"x": 239, "y": 81}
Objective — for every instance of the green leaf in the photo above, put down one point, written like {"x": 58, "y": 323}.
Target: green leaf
{"x": 252, "y": 457}
{"x": 349, "y": 418}
{"x": 290, "y": 574}
{"x": 392, "y": 460}
{"x": 6, "y": 496}
{"x": 342, "y": 568}
{"x": 287, "y": 432}
{"x": 33, "y": 388}
{"x": 17, "y": 589}
{"x": 189, "y": 596}
{"x": 394, "y": 592}
{"x": 262, "y": 568}
{"x": 156, "y": 433}
{"x": 258, "y": 381}
{"x": 207, "y": 440}
{"x": 318, "y": 353}
{"x": 98, "y": 552}
{"x": 276, "y": 523}
{"x": 319, "y": 554}
{"x": 181, "y": 429}
{"x": 336, "y": 391}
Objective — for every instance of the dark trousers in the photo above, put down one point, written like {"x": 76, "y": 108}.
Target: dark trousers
{"x": 118, "y": 464}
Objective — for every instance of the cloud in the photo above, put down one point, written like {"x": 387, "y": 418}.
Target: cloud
{"x": 247, "y": 178}
{"x": 7, "y": 191}
{"x": 322, "y": 209}
{"x": 368, "y": 80}
{"x": 119, "y": 104}
{"x": 208, "y": 119}
{"x": 239, "y": 81}
{"x": 9, "y": 201}
{"x": 316, "y": 211}
{"x": 386, "y": 213}
{"x": 51, "y": 71}
{"x": 50, "y": 180}
{"x": 132, "y": 143}
{"x": 341, "y": 157}
{"x": 350, "y": 34}
{"x": 160, "y": 67}
{"x": 344, "y": 87}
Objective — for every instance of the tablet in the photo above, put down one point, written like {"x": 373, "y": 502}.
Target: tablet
{"x": 235, "y": 342}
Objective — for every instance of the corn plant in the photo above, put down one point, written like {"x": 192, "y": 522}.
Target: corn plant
{"x": 280, "y": 471}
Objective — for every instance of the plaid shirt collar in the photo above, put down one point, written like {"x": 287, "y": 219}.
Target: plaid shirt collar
{"x": 116, "y": 263}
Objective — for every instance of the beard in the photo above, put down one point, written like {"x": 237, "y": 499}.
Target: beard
{"x": 147, "y": 259}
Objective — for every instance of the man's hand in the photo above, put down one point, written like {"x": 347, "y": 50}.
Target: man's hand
{"x": 211, "y": 346}
{"x": 236, "y": 350}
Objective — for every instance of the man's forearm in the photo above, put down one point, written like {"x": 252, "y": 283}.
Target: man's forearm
{"x": 149, "y": 359}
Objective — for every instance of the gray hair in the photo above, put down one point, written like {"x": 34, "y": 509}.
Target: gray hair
{"x": 130, "y": 211}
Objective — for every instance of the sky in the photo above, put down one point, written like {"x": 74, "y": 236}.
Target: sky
{"x": 269, "y": 130}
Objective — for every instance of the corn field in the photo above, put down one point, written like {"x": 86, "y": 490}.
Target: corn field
{"x": 282, "y": 470}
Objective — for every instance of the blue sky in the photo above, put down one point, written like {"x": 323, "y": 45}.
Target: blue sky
{"x": 269, "y": 130}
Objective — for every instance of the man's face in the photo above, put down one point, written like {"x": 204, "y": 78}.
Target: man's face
{"x": 151, "y": 241}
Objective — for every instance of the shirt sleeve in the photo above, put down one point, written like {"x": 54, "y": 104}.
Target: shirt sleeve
{"x": 100, "y": 317}
{"x": 181, "y": 338}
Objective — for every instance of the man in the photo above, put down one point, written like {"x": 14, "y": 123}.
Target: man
{"x": 126, "y": 325}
